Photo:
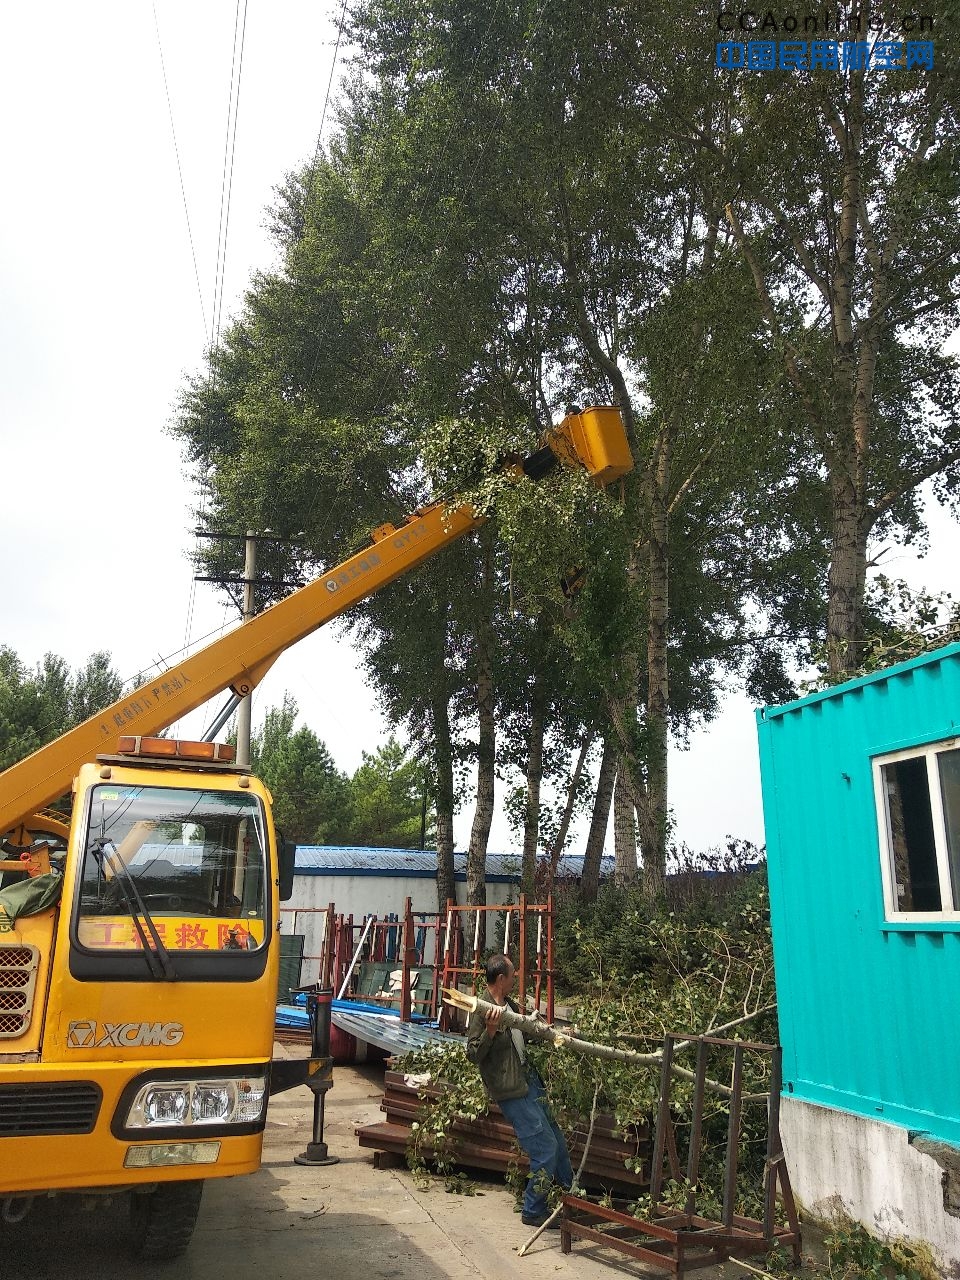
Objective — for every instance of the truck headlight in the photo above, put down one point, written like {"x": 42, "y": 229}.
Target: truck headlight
{"x": 165, "y": 1105}
{"x": 213, "y": 1102}
{"x": 174, "y": 1104}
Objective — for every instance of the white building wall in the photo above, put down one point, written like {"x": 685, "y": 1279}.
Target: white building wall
{"x": 361, "y": 896}
{"x": 873, "y": 1172}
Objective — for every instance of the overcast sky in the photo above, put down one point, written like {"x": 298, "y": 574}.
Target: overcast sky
{"x": 101, "y": 319}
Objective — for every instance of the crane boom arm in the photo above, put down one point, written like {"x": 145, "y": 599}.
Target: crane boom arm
{"x": 239, "y": 660}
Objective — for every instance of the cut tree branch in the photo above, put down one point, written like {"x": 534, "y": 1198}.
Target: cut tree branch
{"x": 537, "y": 1030}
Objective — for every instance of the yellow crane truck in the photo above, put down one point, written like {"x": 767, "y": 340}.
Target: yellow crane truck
{"x": 139, "y": 955}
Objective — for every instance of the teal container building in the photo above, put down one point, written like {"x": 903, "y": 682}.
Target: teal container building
{"x": 861, "y": 799}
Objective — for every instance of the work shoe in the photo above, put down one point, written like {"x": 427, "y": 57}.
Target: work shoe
{"x": 529, "y": 1220}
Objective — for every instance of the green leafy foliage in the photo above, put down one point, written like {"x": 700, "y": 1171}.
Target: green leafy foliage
{"x": 701, "y": 963}
{"x": 455, "y": 1092}
{"x": 38, "y": 704}
{"x": 310, "y": 795}
{"x": 899, "y": 623}
{"x": 859, "y": 298}
{"x": 853, "y": 1251}
{"x": 631, "y": 975}
{"x": 380, "y": 805}
{"x": 850, "y": 1252}
{"x": 717, "y": 927}
{"x": 385, "y": 799}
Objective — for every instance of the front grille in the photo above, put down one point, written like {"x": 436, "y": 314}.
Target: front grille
{"x": 18, "y": 978}
{"x": 30, "y": 1109}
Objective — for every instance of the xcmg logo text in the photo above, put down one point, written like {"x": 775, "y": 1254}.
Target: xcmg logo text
{"x": 123, "y": 1035}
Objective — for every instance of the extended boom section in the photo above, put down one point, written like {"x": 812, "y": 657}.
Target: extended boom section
{"x": 237, "y": 661}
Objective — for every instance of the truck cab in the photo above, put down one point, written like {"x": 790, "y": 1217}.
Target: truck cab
{"x": 136, "y": 1010}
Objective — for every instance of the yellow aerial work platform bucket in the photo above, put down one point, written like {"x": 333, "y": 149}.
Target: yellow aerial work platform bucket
{"x": 596, "y": 438}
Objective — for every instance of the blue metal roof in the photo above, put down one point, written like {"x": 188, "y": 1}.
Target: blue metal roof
{"x": 571, "y": 864}
{"x": 348, "y": 860}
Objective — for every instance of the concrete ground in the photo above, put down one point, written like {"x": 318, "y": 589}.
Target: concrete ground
{"x": 288, "y": 1222}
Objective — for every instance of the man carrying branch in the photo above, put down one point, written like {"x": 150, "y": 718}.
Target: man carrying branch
{"x": 512, "y": 1082}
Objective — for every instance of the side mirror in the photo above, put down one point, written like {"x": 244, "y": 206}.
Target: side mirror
{"x": 287, "y": 850}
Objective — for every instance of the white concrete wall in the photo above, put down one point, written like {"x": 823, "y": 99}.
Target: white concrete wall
{"x": 870, "y": 1171}
{"x": 361, "y": 896}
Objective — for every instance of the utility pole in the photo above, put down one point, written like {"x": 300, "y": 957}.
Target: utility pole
{"x": 244, "y": 710}
{"x": 245, "y": 603}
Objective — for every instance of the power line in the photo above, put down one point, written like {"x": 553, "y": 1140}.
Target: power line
{"x": 226, "y": 185}
{"x": 162, "y": 661}
{"x": 226, "y": 195}
{"x": 316, "y": 155}
{"x": 193, "y": 253}
{"x": 233, "y": 150}
{"x": 333, "y": 67}
{"x": 176, "y": 149}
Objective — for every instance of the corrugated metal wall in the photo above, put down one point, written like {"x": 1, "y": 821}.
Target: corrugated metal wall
{"x": 868, "y": 1010}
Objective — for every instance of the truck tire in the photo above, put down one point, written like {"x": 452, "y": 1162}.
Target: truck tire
{"x": 163, "y": 1220}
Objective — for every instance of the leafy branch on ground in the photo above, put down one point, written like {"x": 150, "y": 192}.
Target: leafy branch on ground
{"x": 455, "y": 1092}
{"x": 633, "y": 973}
{"x": 850, "y": 1252}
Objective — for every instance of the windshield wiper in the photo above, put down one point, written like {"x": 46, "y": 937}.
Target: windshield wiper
{"x": 157, "y": 957}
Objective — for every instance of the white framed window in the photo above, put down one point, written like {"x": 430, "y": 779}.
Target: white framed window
{"x": 918, "y": 816}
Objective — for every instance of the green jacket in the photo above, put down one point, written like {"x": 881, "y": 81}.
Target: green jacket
{"x": 28, "y": 898}
{"x": 503, "y": 1071}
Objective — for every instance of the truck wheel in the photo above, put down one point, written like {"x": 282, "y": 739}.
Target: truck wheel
{"x": 163, "y": 1220}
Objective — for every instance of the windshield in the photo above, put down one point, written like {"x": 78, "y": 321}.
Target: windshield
{"x": 196, "y": 858}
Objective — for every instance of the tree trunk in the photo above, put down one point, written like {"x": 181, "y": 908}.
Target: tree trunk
{"x": 531, "y": 817}
{"x": 848, "y": 573}
{"x": 629, "y": 787}
{"x": 652, "y": 801}
{"x": 593, "y": 851}
{"x": 848, "y": 463}
{"x": 624, "y": 832}
{"x": 556, "y": 849}
{"x": 486, "y": 745}
{"x": 652, "y": 796}
{"x": 443, "y": 754}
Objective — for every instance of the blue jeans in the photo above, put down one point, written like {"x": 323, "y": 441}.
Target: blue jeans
{"x": 544, "y": 1145}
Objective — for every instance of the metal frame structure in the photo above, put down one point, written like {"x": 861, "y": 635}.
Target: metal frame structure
{"x": 680, "y": 1241}
{"x": 435, "y": 941}
{"x": 534, "y": 964}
